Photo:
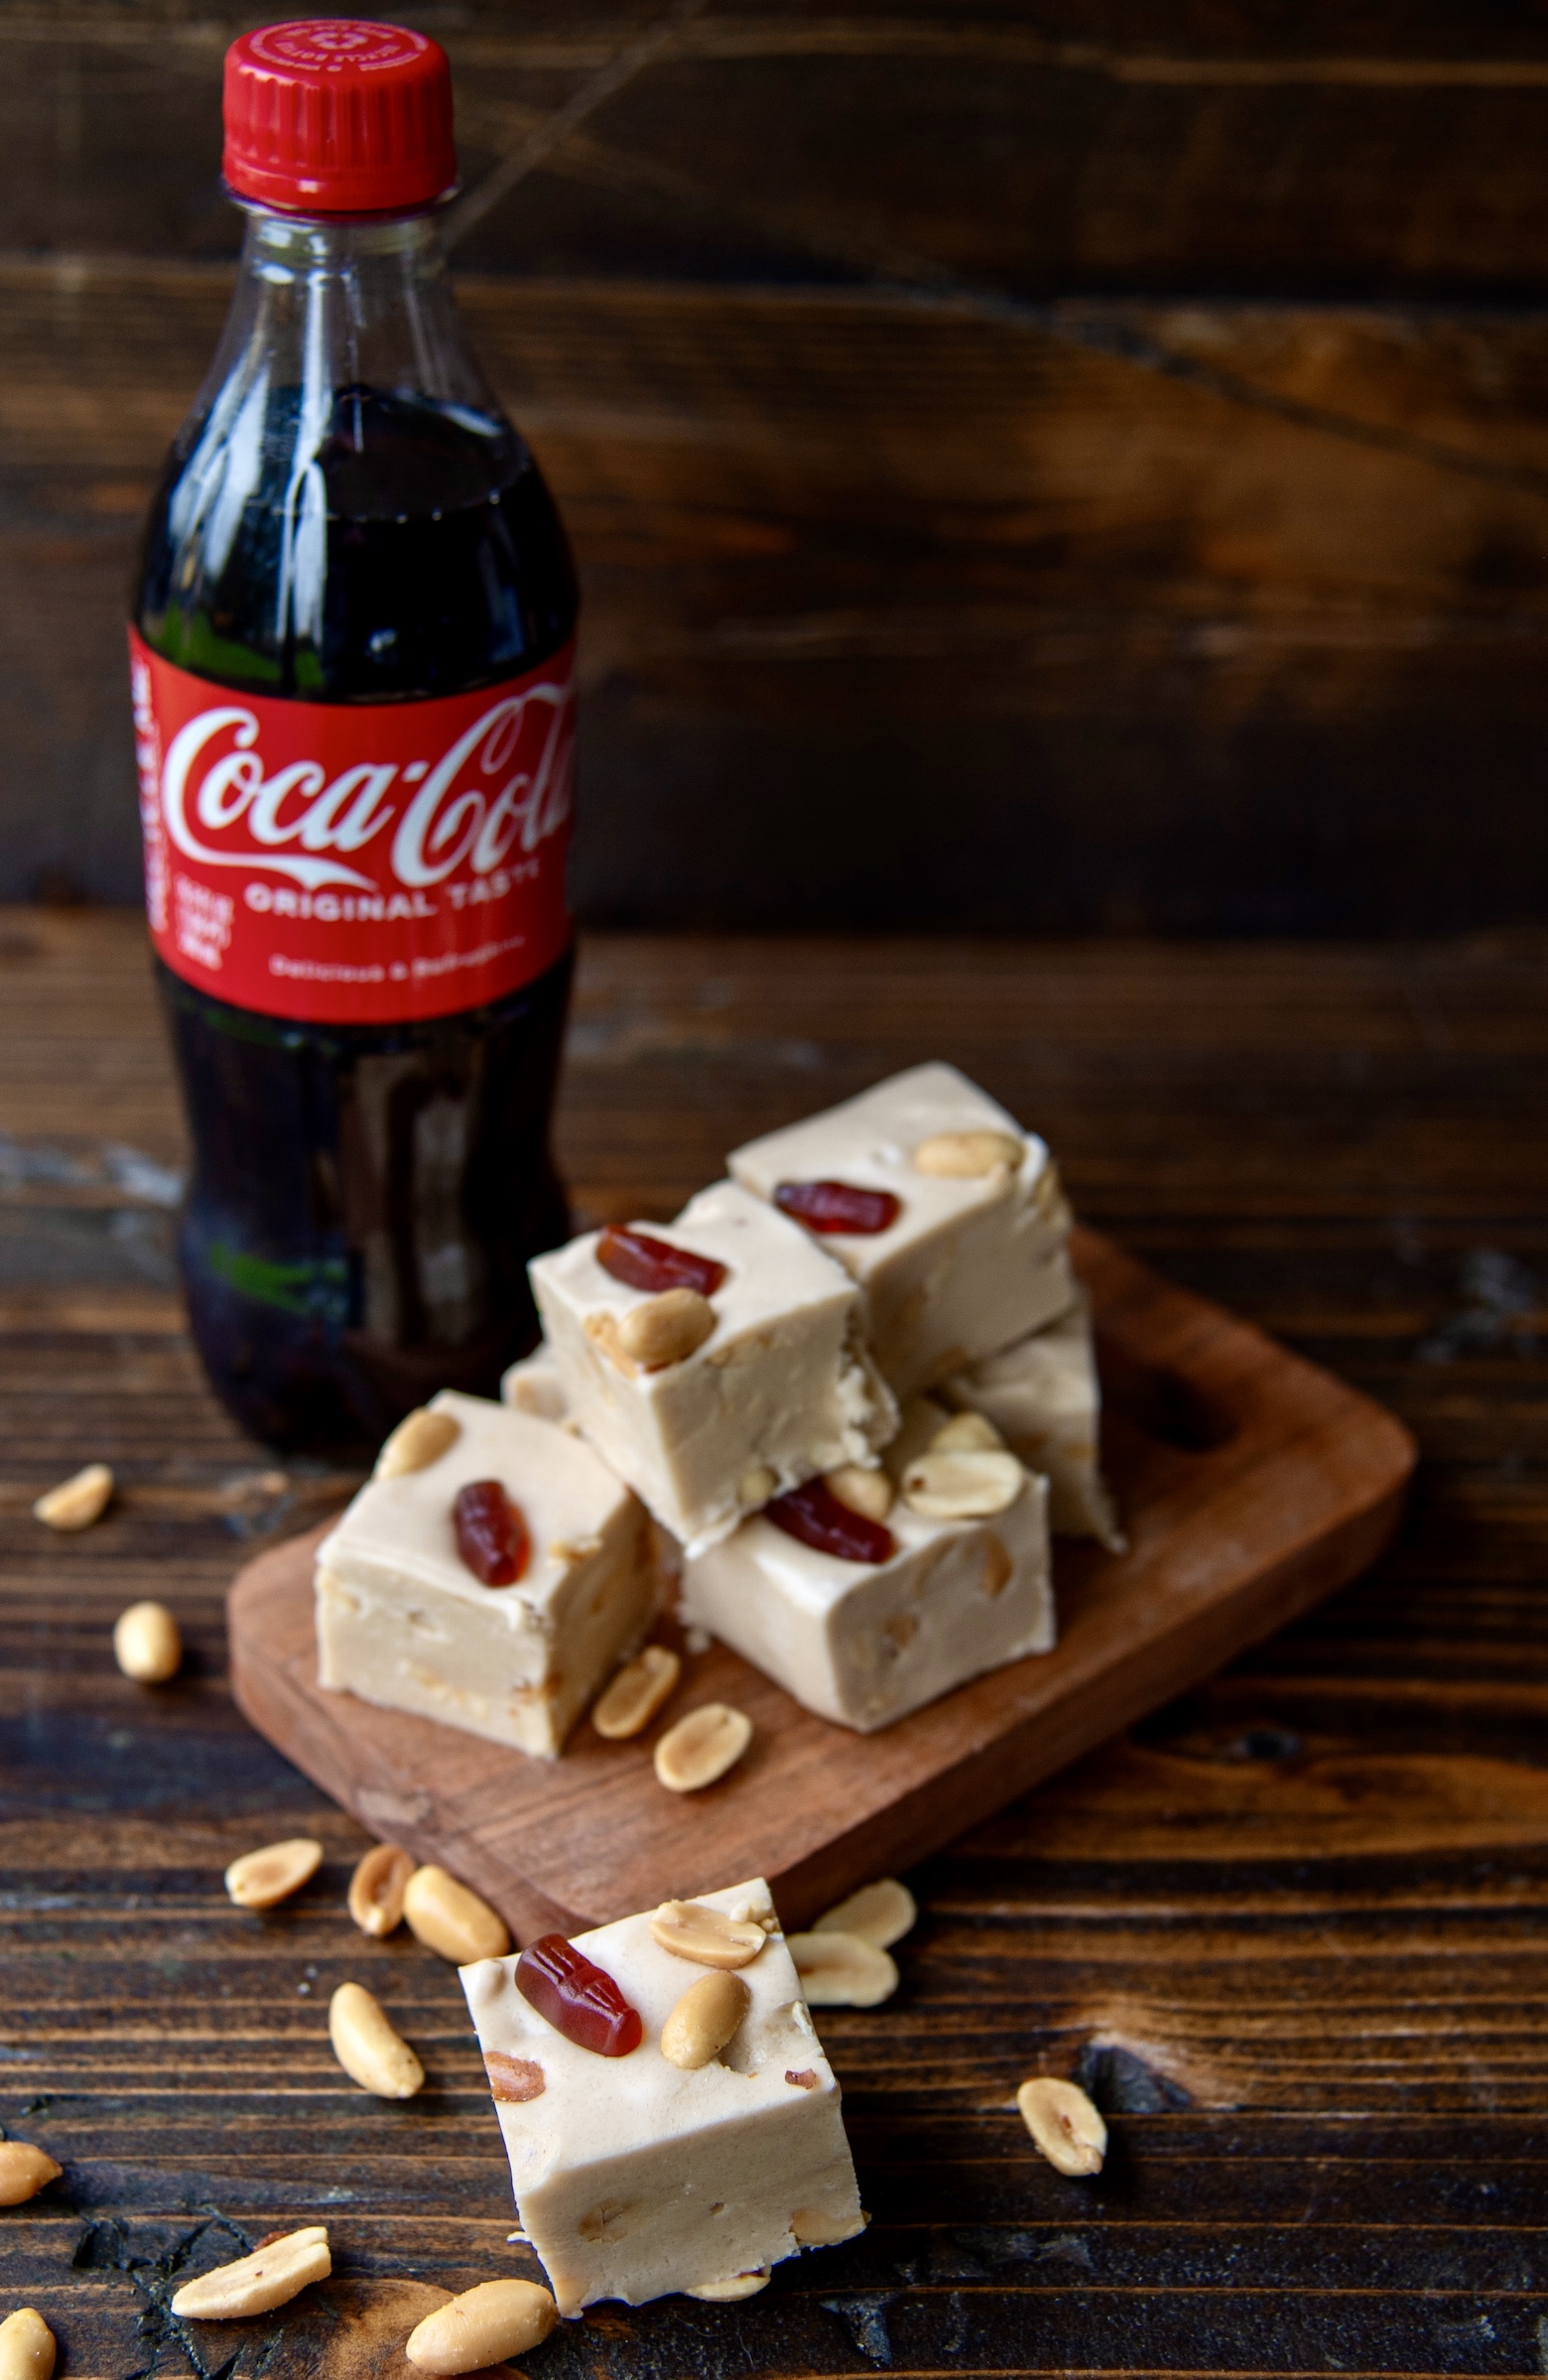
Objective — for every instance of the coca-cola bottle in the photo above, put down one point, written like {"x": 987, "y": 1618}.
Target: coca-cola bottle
{"x": 352, "y": 659}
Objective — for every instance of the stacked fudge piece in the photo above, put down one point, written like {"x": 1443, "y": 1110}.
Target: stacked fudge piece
{"x": 852, "y": 1386}
{"x": 866, "y": 1544}
{"x": 491, "y": 1575}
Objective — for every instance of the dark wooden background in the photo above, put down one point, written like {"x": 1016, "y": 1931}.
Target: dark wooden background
{"x": 1292, "y": 1932}
{"x": 1031, "y": 468}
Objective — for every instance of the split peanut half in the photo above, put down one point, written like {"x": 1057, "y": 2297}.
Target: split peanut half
{"x": 376, "y": 1890}
{"x": 842, "y": 1971}
{"x": 77, "y": 1501}
{"x": 1064, "y": 2124}
{"x": 256, "y": 2283}
{"x": 262, "y": 1878}
{"x": 369, "y": 2047}
{"x": 482, "y": 2327}
{"x": 693, "y": 1930}
{"x": 702, "y": 1747}
{"x": 24, "y": 2172}
{"x": 451, "y": 1920}
{"x": 965, "y": 1485}
{"x": 729, "y": 2292}
{"x": 881, "y": 1913}
{"x": 636, "y": 1695}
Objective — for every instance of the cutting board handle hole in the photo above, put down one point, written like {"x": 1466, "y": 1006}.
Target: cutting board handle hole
{"x": 1162, "y": 1404}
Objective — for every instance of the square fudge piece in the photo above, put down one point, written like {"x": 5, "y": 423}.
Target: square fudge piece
{"x": 862, "y": 1642}
{"x": 403, "y": 1622}
{"x": 634, "y": 2177}
{"x": 1042, "y": 1397}
{"x": 780, "y": 1387}
{"x": 974, "y": 1256}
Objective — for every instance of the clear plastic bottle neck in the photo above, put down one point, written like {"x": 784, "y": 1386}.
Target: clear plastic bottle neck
{"x": 344, "y": 302}
{"x": 347, "y": 513}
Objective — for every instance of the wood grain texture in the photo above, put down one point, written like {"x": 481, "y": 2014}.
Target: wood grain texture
{"x": 1290, "y": 1930}
{"x": 1250, "y": 1485}
{"x": 1128, "y": 434}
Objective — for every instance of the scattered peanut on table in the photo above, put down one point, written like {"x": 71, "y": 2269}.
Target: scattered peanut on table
{"x": 881, "y": 1913}
{"x": 702, "y": 1747}
{"x": 147, "y": 1643}
{"x": 842, "y": 1970}
{"x": 631, "y": 1700}
{"x": 451, "y": 1920}
{"x": 368, "y": 2045}
{"x": 484, "y": 2325}
{"x": 1064, "y": 2124}
{"x": 77, "y": 1501}
{"x": 256, "y": 2283}
{"x": 376, "y": 1890}
{"x": 262, "y": 1878}
{"x": 27, "y": 2348}
{"x": 24, "y": 2172}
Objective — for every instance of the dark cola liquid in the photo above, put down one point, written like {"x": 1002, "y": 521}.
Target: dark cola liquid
{"x": 363, "y": 1197}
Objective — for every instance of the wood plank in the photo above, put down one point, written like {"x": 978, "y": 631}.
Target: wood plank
{"x": 1230, "y": 1542}
{"x": 1197, "y": 149}
{"x": 841, "y": 550}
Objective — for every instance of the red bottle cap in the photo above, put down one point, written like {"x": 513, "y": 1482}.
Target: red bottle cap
{"x": 335, "y": 115}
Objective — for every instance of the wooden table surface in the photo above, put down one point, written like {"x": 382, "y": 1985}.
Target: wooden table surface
{"x": 1291, "y": 1933}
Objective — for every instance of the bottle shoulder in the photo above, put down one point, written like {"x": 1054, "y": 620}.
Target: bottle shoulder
{"x": 391, "y": 546}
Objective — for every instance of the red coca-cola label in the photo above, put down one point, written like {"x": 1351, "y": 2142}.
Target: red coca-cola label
{"x": 355, "y": 862}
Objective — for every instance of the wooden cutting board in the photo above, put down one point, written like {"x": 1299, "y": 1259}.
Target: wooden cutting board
{"x": 1250, "y": 1485}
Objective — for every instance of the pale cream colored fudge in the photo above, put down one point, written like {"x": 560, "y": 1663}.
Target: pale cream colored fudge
{"x": 533, "y": 1386}
{"x": 780, "y": 1390}
{"x": 404, "y": 1623}
{"x": 971, "y": 1262}
{"x": 634, "y": 2177}
{"x": 1042, "y": 1397}
{"x": 864, "y": 1644}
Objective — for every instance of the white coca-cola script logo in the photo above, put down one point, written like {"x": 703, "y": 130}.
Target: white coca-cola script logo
{"x": 505, "y": 781}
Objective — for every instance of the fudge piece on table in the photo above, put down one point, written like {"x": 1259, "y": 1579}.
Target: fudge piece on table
{"x": 863, "y": 1642}
{"x": 634, "y": 2176}
{"x": 1042, "y": 1397}
{"x": 775, "y": 1386}
{"x": 404, "y": 1621}
{"x": 962, "y": 1252}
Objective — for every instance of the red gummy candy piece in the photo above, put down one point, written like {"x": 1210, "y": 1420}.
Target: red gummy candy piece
{"x": 647, "y": 1264}
{"x": 838, "y": 1207}
{"x": 491, "y": 1536}
{"x": 579, "y": 1999}
{"x": 814, "y": 1515}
